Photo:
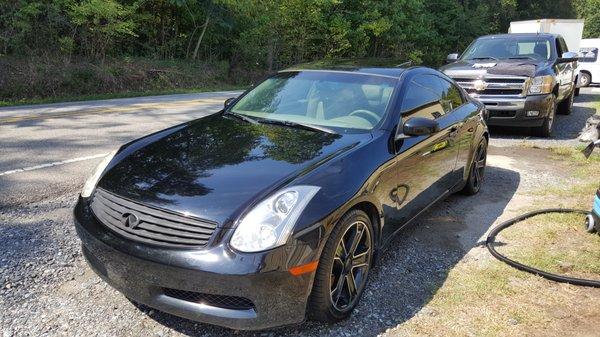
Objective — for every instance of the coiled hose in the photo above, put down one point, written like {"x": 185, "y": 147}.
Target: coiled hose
{"x": 491, "y": 239}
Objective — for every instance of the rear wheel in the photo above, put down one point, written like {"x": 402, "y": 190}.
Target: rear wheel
{"x": 477, "y": 170}
{"x": 584, "y": 79}
{"x": 343, "y": 269}
{"x": 545, "y": 130}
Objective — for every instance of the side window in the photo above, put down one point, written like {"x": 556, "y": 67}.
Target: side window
{"x": 451, "y": 96}
{"x": 561, "y": 46}
{"x": 422, "y": 98}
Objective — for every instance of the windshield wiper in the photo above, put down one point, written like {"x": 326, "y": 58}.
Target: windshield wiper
{"x": 521, "y": 58}
{"x": 242, "y": 117}
{"x": 306, "y": 126}
{"x": 484, "y": 58}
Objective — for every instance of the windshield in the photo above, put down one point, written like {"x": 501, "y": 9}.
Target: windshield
{"x": 329, "y": 99}
{"x": 509, "y": 48}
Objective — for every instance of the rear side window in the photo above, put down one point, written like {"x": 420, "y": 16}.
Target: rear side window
{"x": 422, "y": 98}
{"x": 451, "y": 96}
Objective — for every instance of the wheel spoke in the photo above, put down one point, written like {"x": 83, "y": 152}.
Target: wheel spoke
{"x": 361, "y": 259}
{"x": 341, "y": 251}
{"x": 356, "y": 240}
{"x": 336, "y": 293}
{"x": 351, "y": 286}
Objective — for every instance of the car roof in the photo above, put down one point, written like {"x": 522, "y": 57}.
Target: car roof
{"x": 543, "y": 35}
{"x": 380, "y": 66}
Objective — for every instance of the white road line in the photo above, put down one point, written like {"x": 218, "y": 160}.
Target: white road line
{"x": 57, "y": 163}
{"x": 595, "y": 89}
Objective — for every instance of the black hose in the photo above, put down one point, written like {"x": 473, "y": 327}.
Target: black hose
{"x": 489, "y": 242}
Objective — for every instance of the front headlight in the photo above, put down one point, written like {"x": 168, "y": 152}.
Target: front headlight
{"x": 90, "y": 183}
{"x": 541, "y": 85}
{"x": 269, "y": 224}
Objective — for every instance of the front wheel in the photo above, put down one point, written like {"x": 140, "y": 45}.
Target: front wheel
{"x": 566, "y": 106}
{"x": 545, "y": 130}
{"x": 343, "y": 269}
{"x": 477, "y": 169}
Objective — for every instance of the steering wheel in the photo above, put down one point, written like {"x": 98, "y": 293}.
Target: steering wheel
{"x": 370, "y": 115}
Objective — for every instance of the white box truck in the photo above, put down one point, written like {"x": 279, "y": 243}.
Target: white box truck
{"x": 589, "y": 63}
{"x": 570, "y": 29}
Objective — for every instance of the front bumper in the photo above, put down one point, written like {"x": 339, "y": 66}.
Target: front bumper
{"x": 511, "y": 111}
{"x": 150, "y": 275}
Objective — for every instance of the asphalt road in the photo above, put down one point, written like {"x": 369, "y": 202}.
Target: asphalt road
{"x": 46, "y": 153}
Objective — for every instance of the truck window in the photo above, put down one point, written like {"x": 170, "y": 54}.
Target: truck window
{"x": 588, "y": 55}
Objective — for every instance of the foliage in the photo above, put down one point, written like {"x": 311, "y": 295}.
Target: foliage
{"x": 258, "y": 36}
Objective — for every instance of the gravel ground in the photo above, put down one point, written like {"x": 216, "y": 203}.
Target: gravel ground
{"x": 46, "y": 289}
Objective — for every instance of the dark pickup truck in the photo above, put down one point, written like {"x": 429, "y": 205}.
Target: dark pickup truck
{"x": 523, "y": 79}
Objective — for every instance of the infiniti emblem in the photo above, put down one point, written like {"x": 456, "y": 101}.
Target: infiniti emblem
{"x": 130, "y": 220}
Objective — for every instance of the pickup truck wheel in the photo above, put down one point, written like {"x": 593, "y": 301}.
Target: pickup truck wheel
{"x": 545, "y": 130}
{"x": 566, "y": 106}
{"x": 584, "y": 79}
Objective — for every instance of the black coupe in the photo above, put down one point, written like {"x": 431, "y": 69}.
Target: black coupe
{"x": 274, "y": 209}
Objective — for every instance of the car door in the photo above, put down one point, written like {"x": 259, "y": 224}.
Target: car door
{"x": 565, "y": 72}
{"x": 425, "y": 164}
{"x": 464, "y": 117}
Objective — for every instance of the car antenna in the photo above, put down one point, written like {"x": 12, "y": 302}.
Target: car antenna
{"x": 405, "y": 64}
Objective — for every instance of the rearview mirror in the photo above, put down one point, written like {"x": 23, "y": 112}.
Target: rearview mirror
{"x": 228, "y": 102}
{"x": 452, "y": 57}
{"x": 419, "y": 126}
{"x": 567, "y": 57}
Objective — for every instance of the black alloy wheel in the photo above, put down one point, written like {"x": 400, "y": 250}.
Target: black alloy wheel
{"x": 350, "y": 265}
{"x": 477, "y": 171}
{"x": 343, "y": 268}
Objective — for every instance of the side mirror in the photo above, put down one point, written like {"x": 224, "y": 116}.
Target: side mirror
{"x": 419, "y": 126}
{"x": 567, "y": 57}
{"x": 228, "y": 102}
{"x": 451, "y": 57}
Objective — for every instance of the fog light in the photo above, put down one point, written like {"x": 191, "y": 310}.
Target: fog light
{"x": 532, "y": 113}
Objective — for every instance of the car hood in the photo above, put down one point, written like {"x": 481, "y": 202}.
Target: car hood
{"x": 214, "y": 167}
{"x": 480, "y": 68}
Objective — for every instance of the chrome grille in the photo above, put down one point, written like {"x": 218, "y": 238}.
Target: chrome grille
{"x": 497, "y": 86}
{"x": 153, "y": 225}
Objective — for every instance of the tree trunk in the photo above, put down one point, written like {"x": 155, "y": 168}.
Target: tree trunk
{"x": 200, "y": 37}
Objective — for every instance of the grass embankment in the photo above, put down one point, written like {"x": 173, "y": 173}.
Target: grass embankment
{"x": 47, "y": 80}
{"x": 484, "y": 297}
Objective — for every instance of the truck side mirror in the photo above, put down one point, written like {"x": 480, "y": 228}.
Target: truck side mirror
{"x": 568, "y": 56}
{"x": 451, "y": 57}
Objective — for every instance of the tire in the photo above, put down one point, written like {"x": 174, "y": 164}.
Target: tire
{"x": 326, "y": 303}
{"x": 566, "y": 106}
{"x": 545, "y": 130}
{"x": 476, "y": 170}
{"x": 590, "y": 225}
{"x": 584, "y": 79}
